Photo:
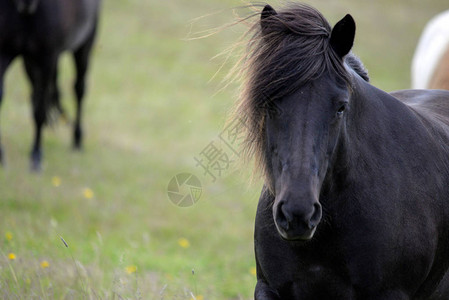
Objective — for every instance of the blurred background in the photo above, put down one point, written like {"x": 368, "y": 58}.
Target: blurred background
{"x": 153, "y": 105}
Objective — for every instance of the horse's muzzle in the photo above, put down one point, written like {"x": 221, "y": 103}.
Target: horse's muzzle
{"x": 296, "y": 224}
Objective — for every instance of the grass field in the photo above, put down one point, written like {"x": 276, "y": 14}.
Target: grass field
{"x": 152, "y": 108}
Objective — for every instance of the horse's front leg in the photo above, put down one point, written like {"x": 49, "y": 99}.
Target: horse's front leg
{"x": 41, "y": 73}
{"x": 81, "y": 56}
{"x": 264, "y": 292}
{"x": 36, "y": 151}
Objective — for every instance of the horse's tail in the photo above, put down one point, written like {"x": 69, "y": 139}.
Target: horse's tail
{"x": 54, "y": 111}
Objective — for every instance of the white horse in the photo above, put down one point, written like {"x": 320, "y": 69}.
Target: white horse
{"x": 430, "y": 66}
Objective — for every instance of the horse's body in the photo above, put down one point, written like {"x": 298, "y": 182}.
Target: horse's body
{"x": 39, "y": 31}
{"x": 356, "y": 197}
{"x": 386, "y": 233}
{"x": 430, "y": 66}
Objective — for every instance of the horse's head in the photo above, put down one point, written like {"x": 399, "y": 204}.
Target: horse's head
{"x": 26, "y": 7}
{"x": 301, "y": 138}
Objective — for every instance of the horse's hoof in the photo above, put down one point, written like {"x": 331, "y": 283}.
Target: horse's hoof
{"x": 36, "y": 165}
{"x": 77, "y": 138}
{"x": 78, "y": 147}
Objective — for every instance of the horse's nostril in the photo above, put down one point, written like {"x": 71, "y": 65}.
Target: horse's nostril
{"x": 316, "y": 216}
{"x": 282, "y": 217}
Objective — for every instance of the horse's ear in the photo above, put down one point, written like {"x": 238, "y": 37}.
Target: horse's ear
{"x": 267, "y": 12}
{"x": 342, "y": 36}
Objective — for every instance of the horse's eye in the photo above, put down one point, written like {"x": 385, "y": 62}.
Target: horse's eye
{"x": 341, "y": 110}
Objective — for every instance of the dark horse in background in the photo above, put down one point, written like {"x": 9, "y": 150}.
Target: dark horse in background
{"x": 39, "y": 31}
{"x": 356, "y": 197}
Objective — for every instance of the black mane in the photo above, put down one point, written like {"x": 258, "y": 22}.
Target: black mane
{"x": 355, "y": 64}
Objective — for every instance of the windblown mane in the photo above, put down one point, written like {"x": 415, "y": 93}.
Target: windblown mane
{"x": 291, "y": 49}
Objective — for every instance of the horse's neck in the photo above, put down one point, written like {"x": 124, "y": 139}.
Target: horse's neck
{"x": 370, "y": 101}
{"x": 375, "y": 124}
{"x": 375, "y": 113}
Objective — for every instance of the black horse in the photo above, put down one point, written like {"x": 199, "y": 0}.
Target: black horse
{"x": 40, "y": 31}
{"x": 356, "y": 197}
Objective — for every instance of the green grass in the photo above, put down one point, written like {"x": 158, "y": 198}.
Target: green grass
{"x": 150, "y": 109}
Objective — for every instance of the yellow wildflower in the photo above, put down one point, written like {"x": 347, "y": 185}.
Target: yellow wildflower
{"x": 253, "y": 271}
{"x": 8, "y": 235}
{"x": 45, "y": 264}
{"x": 88, "y": 193}
{"x": 11, "y": 256}
{"x": 184, "y": 243}
{"x": 198, "y": 297}
{"x": 131, "y": 269}
{"x": 56, "y": 181}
